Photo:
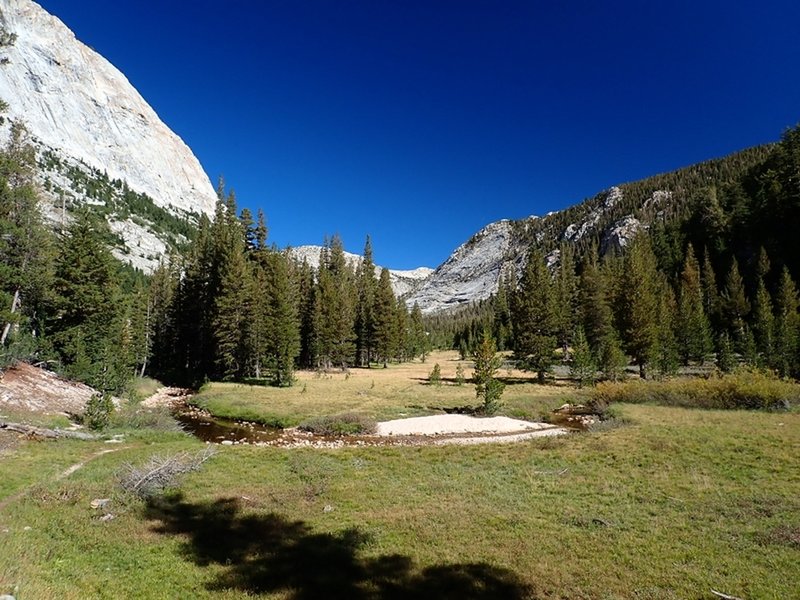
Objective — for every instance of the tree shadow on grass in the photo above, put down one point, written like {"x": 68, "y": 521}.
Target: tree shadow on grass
{"x": 268, "y": 553}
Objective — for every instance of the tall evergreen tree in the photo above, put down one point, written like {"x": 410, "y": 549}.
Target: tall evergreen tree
{"x": 787, "y": 327}
{"x": 384, "y": 320}
{"x": 734, "y": 303}
{"x": 565, "y": 298}
{"x": 335, "y": 308}
{"x": 639, "y": 303}
{"x": 26, "y": 249}
{"x": 711, "y": 303}
{"x": 534, "y": 317}
{"x": 365, "y": 306}
{"x": 596, "y": 315}
{"x": 284, "y": 327}
{"x": 692, "y": 327}
{"x": 86, "y": 327}
{"x": 502, "y": 328}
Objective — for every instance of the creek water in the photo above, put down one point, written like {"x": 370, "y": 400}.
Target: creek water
{"x": 216, "y": 430}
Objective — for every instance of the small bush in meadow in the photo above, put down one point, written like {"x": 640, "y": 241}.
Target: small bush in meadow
{"x": 97, "y": 414}
{"x": 343, "y": 424}
{"x": 743, "y": 389}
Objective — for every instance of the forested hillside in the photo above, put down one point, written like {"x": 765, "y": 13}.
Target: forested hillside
{"x": 710, "y": 278}
{"x": 710, "y": 275}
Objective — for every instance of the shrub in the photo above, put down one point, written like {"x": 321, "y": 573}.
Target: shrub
{"x": 97, "y": 414}
{"x": 133, "y": 416}
{"x": 435, "y": 377}
{"x": 743, "y": 389}
{"x": 343, "y": 424}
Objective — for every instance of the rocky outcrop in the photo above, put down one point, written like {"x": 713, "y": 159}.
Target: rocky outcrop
{"x": 80, "y": 109}
{"x": 471, "y": 273}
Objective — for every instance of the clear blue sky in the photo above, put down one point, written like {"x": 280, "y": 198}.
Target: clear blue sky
{"x": 419, "y": 122}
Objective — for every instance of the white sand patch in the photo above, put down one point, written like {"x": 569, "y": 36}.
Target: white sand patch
{"x": 455, "y": 424}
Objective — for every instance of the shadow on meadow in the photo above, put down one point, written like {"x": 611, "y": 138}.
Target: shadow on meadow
{"x": 268, "y": 553}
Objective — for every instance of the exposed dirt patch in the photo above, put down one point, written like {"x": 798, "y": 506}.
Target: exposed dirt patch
{"x": 29, "y": 388}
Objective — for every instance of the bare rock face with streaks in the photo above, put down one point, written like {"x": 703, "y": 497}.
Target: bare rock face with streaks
{"x": 82, "y": 113}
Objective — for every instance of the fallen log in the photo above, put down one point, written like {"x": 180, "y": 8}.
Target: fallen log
{"x": 47, "y": 433}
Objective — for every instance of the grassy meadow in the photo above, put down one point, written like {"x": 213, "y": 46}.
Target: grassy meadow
{"x": 670, "y": 503}
{"x": 382, "y": 394}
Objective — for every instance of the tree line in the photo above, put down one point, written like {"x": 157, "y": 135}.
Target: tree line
{"x": 236, "y": 308}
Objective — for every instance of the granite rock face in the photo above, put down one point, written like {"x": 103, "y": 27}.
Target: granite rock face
{"x": 78, "y": 107}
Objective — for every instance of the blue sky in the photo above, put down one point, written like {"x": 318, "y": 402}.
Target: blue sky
{"x": 419, "y": 122}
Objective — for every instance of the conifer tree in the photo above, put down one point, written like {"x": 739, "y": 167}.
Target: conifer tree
{"x": 231, "y": 310}
{"x": 284, "y": 327}
{"x": 711, "y": 303}
{"x": 666, "y": 357}
{"x": 401, "y": 331}
{"x": 384, "y": 319}
{"x": 693, "y": 331}
{"x": 307, "y": 302}
{"x": 583, "y": 367}
{"x": 596, "y": 315}
{"x": 488, "y": 389}
{"x": 763, "y": 324}
{"x": 26, "y": 249}
{"x": 534, "y": 318}
{"x": 502, "y": 325}
{"x": 86, "y": 326}
{"x": 639, "y": 303}
{"x": 365, "y": 306}
{"x": 565, "y": 299}
{"x": 787, "y": 327}
{"x": 734, "y": 304}
{"x": 417, "y": 337}
{"x": 335, "y": 307}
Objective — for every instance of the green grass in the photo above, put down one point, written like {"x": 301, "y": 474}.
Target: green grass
{"x": 144, "y": 387}
{"x": 676, "y": 503}
{"x": 379, "y": 394}
{"x": 672, "y": 503}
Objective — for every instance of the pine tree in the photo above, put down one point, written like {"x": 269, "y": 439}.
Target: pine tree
{"x": 597, "y": 318}
{"x": 787, "y": 327}
{"x": 726, "y": 360}
{"x": 711, "y": 303}
{"x": 335, "y": 308}
{"x": 533, "y": 317}
{"x": 692, "y": 327}
{"x": 86, "y": 324}
{"x": 365, "y": 306}
{"x": 502, "y": 326}
{"x": 417, "y": 337}
{"x": 665, "y": 356}
{"x": 565, "y": 299}
{"x": 26, "y": 248}
{"x": 639, "y": 303}
{"x": 384, "y": 318}
{"x": 230, "y": 315}
{"x": 763, "y": 324}
{"x": 734, "y": 304}
{"x": 284, "y": 340}
{"x": 307, "y": 291}
{"x": 583, "y": 367}
{"x": 488, "y": 389}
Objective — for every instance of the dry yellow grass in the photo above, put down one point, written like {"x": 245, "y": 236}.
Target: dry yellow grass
{"x": 395, "y": 392}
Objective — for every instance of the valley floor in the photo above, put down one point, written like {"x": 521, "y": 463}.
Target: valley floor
{"x": 665, "y": 503}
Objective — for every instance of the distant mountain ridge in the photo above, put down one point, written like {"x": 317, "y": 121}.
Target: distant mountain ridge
{"x": 609, "y": 220}
{"x": 404, "y": 282}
